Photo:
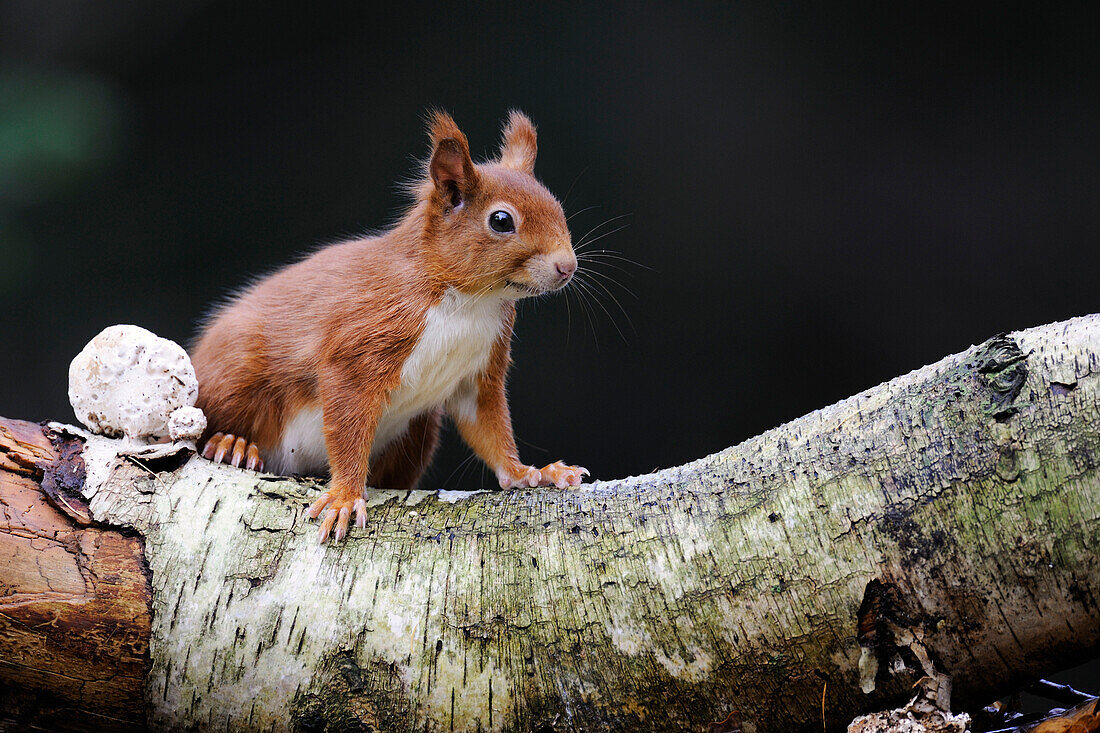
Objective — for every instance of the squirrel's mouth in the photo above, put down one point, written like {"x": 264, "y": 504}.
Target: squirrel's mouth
{"x": 523, "y": 287}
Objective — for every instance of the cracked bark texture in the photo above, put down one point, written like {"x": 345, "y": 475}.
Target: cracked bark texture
{"x": 947, "y": 518}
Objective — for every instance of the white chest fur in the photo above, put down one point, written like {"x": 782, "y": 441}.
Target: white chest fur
{"x": 453, "y": 349}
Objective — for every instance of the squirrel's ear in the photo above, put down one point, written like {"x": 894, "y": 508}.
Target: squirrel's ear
{"x": 451, "y": 168}
{"x": 519, "y": 143}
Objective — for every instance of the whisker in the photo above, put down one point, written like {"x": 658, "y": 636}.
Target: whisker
{"x": 464, "y": 465}
{"x": 593, "y": 297}
{"x": 574, "y": 183}
{"x": 611, "y": 280}
{"x": 587, "y": 311}
{"x": 615, "y": 300}
{"x": 590, "y": 286}
{"x": 580, "y": 247}
{"x": 531, "y": 445}
{"x": 471, "y": 461}
{"x": 613, "y": 255}
{"x": 473, "y": 298}
{"x": 568, "y": 318}
{"x": 583, "y": 240}
{"x": 586, "y": 208}
{"x": 604, "y": 264}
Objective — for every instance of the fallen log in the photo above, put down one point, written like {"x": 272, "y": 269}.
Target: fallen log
{"x": 944, "y": 522}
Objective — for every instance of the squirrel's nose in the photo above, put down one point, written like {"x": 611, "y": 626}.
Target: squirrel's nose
{"x": 566, "y": 268}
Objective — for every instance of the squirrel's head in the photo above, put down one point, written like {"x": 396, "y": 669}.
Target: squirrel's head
{"x": 492, "y": 225}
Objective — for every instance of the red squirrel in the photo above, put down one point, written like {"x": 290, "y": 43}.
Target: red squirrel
{"x": 344, "y": 363}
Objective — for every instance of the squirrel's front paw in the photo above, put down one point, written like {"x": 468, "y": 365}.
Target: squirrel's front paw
{"x": 556, "y": 474}
{"x": 337, "y": 506}
{"x": 519, "y": 477}
{"x": 560, "y": 475}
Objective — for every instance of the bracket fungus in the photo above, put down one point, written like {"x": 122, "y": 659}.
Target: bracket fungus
{"x": 130, "y": 383}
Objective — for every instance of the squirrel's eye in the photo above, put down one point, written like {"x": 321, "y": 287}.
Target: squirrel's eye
{"x": 501, "y": 221}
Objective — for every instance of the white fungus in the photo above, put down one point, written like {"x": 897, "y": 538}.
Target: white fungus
{"x": 129, "y": 382}
{"x": 186, "y": 423}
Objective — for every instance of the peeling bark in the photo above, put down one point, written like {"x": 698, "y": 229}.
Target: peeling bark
{"x": 74, "y": 602}
{"x": 945, "y": 520}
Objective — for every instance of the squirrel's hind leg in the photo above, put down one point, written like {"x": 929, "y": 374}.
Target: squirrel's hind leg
{"x": 234, "y": 450}
{"x": 402, "y": 463}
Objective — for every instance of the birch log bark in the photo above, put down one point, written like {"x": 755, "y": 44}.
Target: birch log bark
{"x": 946, "y": 519}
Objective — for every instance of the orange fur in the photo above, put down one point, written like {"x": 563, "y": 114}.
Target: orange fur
{"x": 519, "y": 146}
{"x": 490, "y": 435}
{"x": 337, "y": 329}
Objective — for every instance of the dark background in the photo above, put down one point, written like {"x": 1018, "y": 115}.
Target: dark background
{"x": 818, "y": 197}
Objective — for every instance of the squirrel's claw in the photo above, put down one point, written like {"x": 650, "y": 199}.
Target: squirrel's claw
{"x": 212, "y": 445}
{"x": 319, "y": 505}
{"x": 234, "y": 450}
{"x": 253, "y": 462}
{"x": 239, "y": 448}
{"x": 556, "y": 474}
{"x": 519, "y": 477}
{"x": 337, "y": 507}
{"x": 562, "y": 476}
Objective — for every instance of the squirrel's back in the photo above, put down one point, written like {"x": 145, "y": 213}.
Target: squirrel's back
{"x": 258, "y": 354}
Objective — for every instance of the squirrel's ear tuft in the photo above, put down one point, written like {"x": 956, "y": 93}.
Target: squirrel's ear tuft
{"x": 442, "y": 126}
{"x": 519, "y": 143}
{"x": 451, "y": 168}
